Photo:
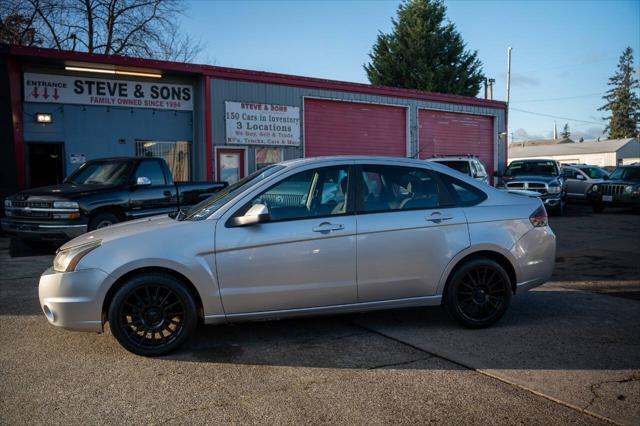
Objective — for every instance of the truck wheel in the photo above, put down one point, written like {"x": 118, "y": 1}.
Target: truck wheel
{"x": 102, "y": 220}
{"x": 598, "y": 207}
{"x": 152, "y": 314}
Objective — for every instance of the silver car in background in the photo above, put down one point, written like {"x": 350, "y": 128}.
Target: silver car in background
{"x": 305, "y": 237}
{"x": 578, "y": 179}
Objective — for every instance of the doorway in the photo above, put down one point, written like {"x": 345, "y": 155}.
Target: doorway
{"x": 230, "y": 164}
{"x": 45, "y": 164}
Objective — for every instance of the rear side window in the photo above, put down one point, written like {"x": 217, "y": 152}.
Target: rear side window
{"x": 461, "y": 166}
{"x": 464, "y": 194}
{"x": 389, "y": 188}
{"x": 152, "y": 170}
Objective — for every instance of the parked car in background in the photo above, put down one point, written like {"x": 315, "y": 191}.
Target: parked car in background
{"x": 100, "y": 193}
{"x": 467, "y": 164}
{"x": 388, "y": 233}
{"x": 543, "y": 176}
{"x": 621, "y": 190}
{"x": 578, "y": 178}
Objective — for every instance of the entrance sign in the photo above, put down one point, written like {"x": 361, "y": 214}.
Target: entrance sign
{"x": 67, "y": 89}
{"x": 250, "y": 123}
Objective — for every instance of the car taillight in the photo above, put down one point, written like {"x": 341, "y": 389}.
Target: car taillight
{"x": 539, "y": 217}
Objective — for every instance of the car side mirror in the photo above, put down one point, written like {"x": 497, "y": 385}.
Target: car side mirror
{"x": 143, "y": 181}
{"x": 497, "y": 173}
{"x": 258, "y": 213}
{"x": 580, "y": 177}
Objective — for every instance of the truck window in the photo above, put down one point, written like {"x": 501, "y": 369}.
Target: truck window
{"x": 152, "y": 170}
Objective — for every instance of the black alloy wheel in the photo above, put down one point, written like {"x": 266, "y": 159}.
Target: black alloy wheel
{"x": 152, "y": 314}
{"x": 479, "y": 293}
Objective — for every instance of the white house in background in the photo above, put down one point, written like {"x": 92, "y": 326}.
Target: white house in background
{"x": 612, "y": 152}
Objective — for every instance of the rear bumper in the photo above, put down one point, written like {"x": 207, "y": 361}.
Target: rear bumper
{"x": 73, "y": 300}
{"x": 535, "y": 255}
{"x": 38, "y": 231}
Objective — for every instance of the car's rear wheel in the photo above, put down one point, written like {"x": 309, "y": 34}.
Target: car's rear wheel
{"x": 152, "y": 314}
{"x": 478, "y": 293}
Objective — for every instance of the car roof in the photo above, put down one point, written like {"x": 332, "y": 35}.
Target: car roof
{"x": 318, "y": 160}
{"x": 452, "y": 158}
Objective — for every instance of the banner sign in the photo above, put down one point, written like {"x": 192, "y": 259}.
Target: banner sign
{"x": 262, "y": 124}
{"x": 66, "y": 89}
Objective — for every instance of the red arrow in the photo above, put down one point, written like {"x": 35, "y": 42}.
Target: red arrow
{"x": 55, "y": 93}
{"x": 46, "y": 95}
{"x": 35, "y": 92}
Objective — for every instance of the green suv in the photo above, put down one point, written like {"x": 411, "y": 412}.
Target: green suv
{"x": 621, "y": 190}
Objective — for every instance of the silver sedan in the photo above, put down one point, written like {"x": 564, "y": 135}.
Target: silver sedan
{"x": 305, "y": 237}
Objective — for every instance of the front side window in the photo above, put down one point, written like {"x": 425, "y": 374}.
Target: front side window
{"x": 482, "y": 172}
{"x": 388, "y": 188}
{"x": 151, "y": 170}
{"x": 595, "y": 172}
{"x": 309, "y": 194}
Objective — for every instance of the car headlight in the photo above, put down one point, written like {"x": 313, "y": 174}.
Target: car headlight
{"x": 66, "y": 260}
{"x": 628, "y": 189}
{"x": 594, "y": 188}
{"x": 7, "y": 202}
{"x": 65, "y": 205}
{"x": 554, "y": 190}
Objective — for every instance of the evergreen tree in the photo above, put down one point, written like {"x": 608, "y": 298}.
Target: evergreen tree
{"x": 424, "y": 51}
{"x": 622, "y": 99}
{"x": 565, "y": 133}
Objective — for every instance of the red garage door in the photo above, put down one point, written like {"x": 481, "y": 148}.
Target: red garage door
{"x": 350, "y": 128}
{"x": 449, "y": 133}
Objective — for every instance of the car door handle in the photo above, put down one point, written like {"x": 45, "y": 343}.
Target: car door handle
{"x": 326, "y": 227}
{"x": 437, "y": 217}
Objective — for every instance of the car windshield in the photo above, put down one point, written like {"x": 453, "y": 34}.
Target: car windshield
{"x": 461, "y": 166}
{"x": 595, "y": 172}
{"x": 207, "y": 207}
{"x": 542, "y": 167}
{"x": 109, "y": 172}
{"x": 626, "y": 173}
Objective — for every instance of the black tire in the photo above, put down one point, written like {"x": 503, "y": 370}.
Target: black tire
{"x": 102, "y": 220}
{"x": 598, "y": 207}
{"x": 152, "y": 314}
{"x": 478, "y": 294}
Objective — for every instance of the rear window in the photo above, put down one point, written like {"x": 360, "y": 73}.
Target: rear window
{"x": 464, "y": 194}
{"x": 461, "y": 166}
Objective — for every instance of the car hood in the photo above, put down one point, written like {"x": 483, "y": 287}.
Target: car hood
{"x": 65, "y": 190}
{"x": 126, "y": 230}
{"x": 530, "y": 178}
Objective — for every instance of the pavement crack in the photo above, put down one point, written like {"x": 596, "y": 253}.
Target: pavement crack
{"x": 397, "y": 364}
{"x": 594, "y": 387}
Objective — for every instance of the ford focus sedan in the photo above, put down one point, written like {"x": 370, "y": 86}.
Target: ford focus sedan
{"x": 305, "y": 237}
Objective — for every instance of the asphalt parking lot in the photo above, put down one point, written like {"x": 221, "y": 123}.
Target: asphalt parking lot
{"x": 567, "y": 352}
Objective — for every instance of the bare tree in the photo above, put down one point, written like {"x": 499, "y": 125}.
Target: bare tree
{"x": 140, "y": 28}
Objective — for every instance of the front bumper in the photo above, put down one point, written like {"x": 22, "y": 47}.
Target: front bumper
{"x": 551, "y": 201}
{"x": 73, "y": 300}
{"x": 40, "y": 231}
{"x": 535, "y": 255}
{"x": 619, "y": 200}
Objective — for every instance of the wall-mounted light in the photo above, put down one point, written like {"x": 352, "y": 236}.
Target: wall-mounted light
{"x": 44, "y": 118}
{"x": 114, "y": 72}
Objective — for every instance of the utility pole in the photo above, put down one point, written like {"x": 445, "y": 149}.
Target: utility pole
{"x": 508, "y": 74}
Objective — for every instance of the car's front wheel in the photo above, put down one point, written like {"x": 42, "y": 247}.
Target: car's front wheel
{"x": 152, "y": 314}
{"x": 478, "y": 293}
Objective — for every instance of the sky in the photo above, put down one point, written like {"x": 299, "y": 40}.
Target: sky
{"x": 563, "y": 51}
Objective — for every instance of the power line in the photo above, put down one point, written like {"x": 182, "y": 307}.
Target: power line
{"x": 560, "y": 99}
{"x": 555, "y": 116}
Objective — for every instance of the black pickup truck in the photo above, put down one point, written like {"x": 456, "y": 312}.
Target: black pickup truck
{"x": 98, "y": 194}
